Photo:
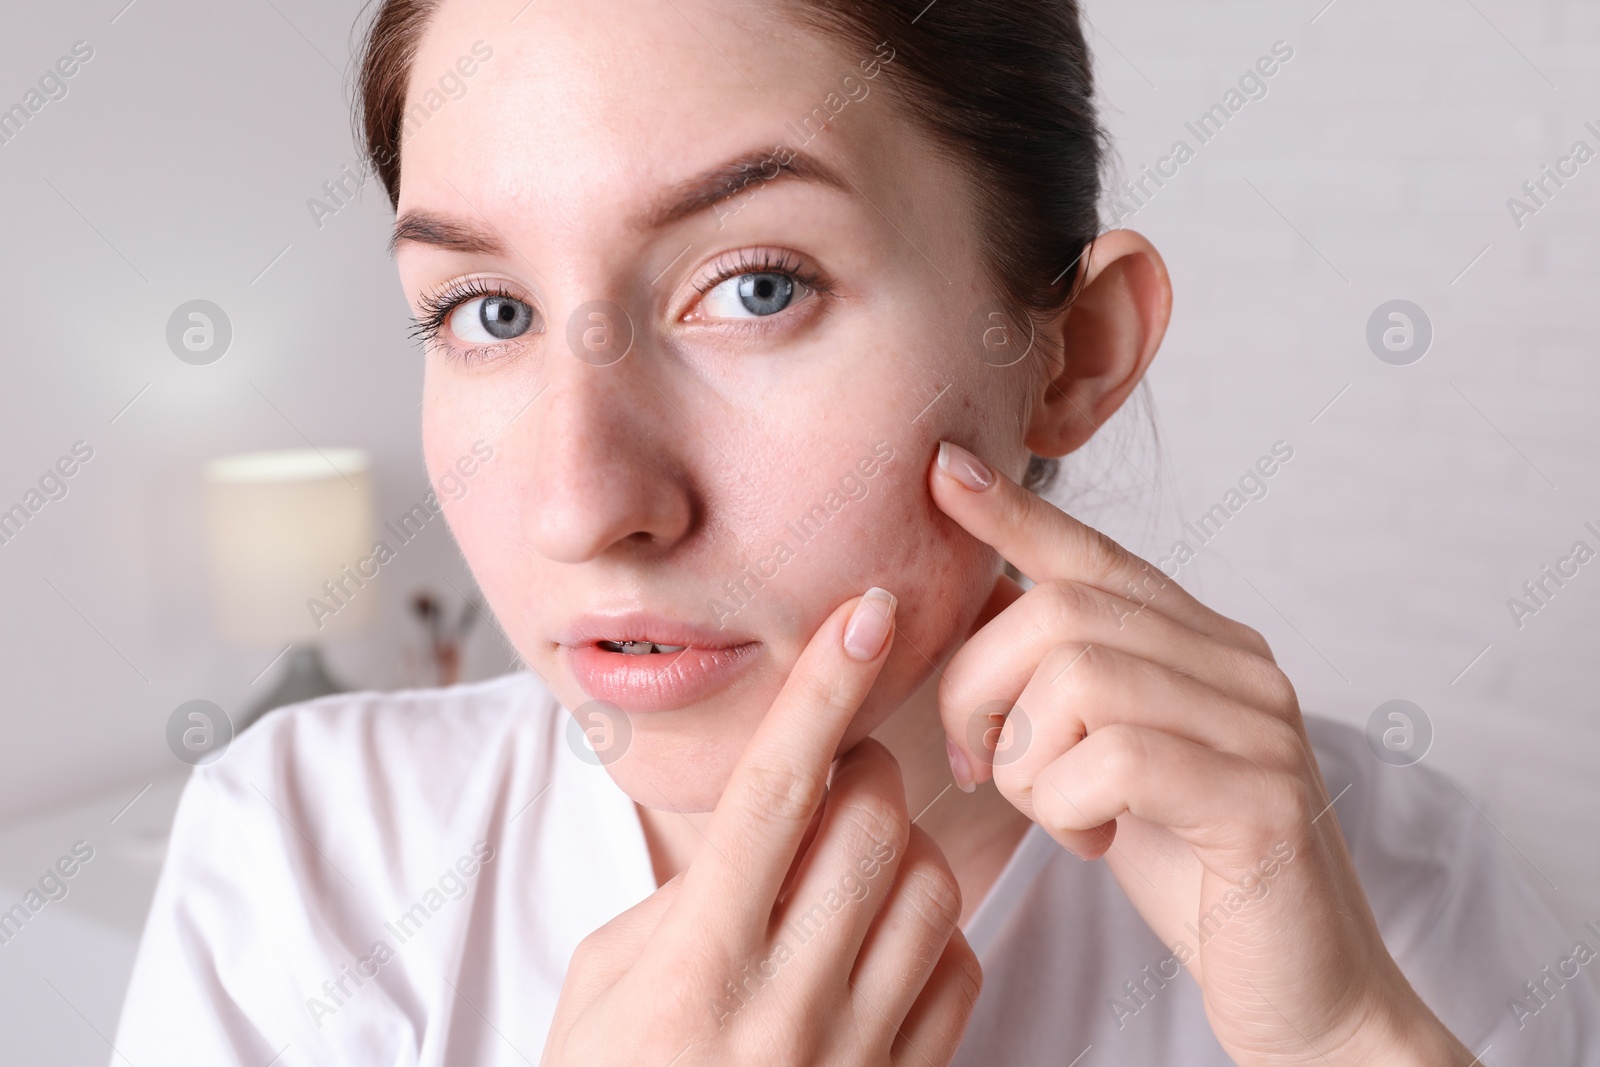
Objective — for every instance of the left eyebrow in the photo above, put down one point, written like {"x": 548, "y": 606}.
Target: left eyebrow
{"x": 753, "y": 168}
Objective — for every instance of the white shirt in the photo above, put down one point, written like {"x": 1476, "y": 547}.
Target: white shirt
{"x": 401, "y": 879}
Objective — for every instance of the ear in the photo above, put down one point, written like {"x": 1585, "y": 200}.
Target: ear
{"x": 1108, "y": 337}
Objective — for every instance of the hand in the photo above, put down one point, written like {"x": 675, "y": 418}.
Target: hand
{"x": 815, "y": 926}
{"x": 1141, "y": 726}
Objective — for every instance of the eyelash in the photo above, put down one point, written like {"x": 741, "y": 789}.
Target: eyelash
{"x": 767, "y": 261}
{"x": 436, "y": 307}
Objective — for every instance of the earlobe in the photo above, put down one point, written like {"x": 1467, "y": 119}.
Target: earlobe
{"x": 1106, "y": 340}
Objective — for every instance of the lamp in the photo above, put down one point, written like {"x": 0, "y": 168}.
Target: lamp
{"x": 283, "y": 529}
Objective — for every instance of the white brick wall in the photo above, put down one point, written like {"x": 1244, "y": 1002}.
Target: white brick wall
{"x": 1391, "y": 141}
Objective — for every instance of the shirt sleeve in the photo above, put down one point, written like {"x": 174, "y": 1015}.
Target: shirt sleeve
{"x": 247, "y": 938}
{"x": 1467, "y": 928}
{"x": 183, "y": 1005}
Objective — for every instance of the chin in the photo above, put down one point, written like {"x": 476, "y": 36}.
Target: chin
{"x": 666, "y": 758}
{"x": 659, "y": 784}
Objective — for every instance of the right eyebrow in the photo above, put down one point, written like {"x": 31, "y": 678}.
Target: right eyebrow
{"x": 442, "y": 231}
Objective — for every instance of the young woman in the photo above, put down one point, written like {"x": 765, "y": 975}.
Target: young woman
{"x": 752, "y": 330}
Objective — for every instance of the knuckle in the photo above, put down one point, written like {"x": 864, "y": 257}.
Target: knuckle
{"x": 1150, "y": 583}
{"x": 1251, "y": 639}
{"x": 965, "y": 966}
{"x": 1282, "y": 743}
{"x": 1065, "y": 661}
{"x": 827, "y": 688}
{"x": 779, "y": 794}
{"x": 843, "y": 695}
{"x": 1287, "y": 808}
{"x": 933, "y": 893}
{"x": 877, "y": 817}
{"x": 1279, "y": 692}
{"x": 1068, "y": 604}
{"x": 1124, "y": 755}
{"x": 1100, "y": 552}
{"x": 873, "y": 766}
{"x": 589, "y": 951}
{"x": 1099, "y": 668}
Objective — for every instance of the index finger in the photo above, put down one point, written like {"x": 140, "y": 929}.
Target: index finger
{"x": 782, "y": 776}
{"x": 1047, "y": 544}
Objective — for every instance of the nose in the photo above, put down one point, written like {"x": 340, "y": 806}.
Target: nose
{"x": 605, "y": 474}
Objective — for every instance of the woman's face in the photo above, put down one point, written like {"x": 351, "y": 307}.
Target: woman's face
{"x": 668, "y": 396}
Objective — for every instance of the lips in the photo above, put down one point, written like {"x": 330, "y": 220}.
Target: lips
{"x": 641, "y": 661}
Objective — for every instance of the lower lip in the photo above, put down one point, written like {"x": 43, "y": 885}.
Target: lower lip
{"x": 658, "y": 681}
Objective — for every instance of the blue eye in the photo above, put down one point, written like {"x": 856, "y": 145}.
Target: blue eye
{"x": 748, "y": 296}
{"x": 759, "y": 284}
{"x": 489, "y": 319}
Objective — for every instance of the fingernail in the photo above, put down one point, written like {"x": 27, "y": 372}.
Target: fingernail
{"x": 959, "y": 767}
{"x": 964, "y": 467}
{"x": 868, "y": 627}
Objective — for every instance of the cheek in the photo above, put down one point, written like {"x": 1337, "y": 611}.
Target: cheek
{"x": 941, "y": 573}
{"x": 898, "y": 539}
{"x": 917, "y": 551}
{"x": 476, "y": 505}
{"x": 445, "y": 439}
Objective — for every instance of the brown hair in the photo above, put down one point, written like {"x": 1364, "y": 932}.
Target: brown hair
{"x": 1004, "y": 87}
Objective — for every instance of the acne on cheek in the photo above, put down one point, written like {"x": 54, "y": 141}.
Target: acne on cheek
{"x": 942, "y": 576}
{"x": 941, "y": 573}
{"x": 961, "y": 570}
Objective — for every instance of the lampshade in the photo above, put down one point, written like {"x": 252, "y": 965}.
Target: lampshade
{"x": 290, "y": 536}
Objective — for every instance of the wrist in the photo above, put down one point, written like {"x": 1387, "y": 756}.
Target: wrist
{"x": 1399, "y": 1030}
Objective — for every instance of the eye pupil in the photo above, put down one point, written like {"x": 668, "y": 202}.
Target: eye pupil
{"x": 765, "y": 294}
{"x": 504, "y": 318}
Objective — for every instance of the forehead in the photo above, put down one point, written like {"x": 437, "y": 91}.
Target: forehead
{"x": 573, "y": 99}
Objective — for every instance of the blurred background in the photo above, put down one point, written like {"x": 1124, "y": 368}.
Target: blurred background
{"x": 1385, "y": 256}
